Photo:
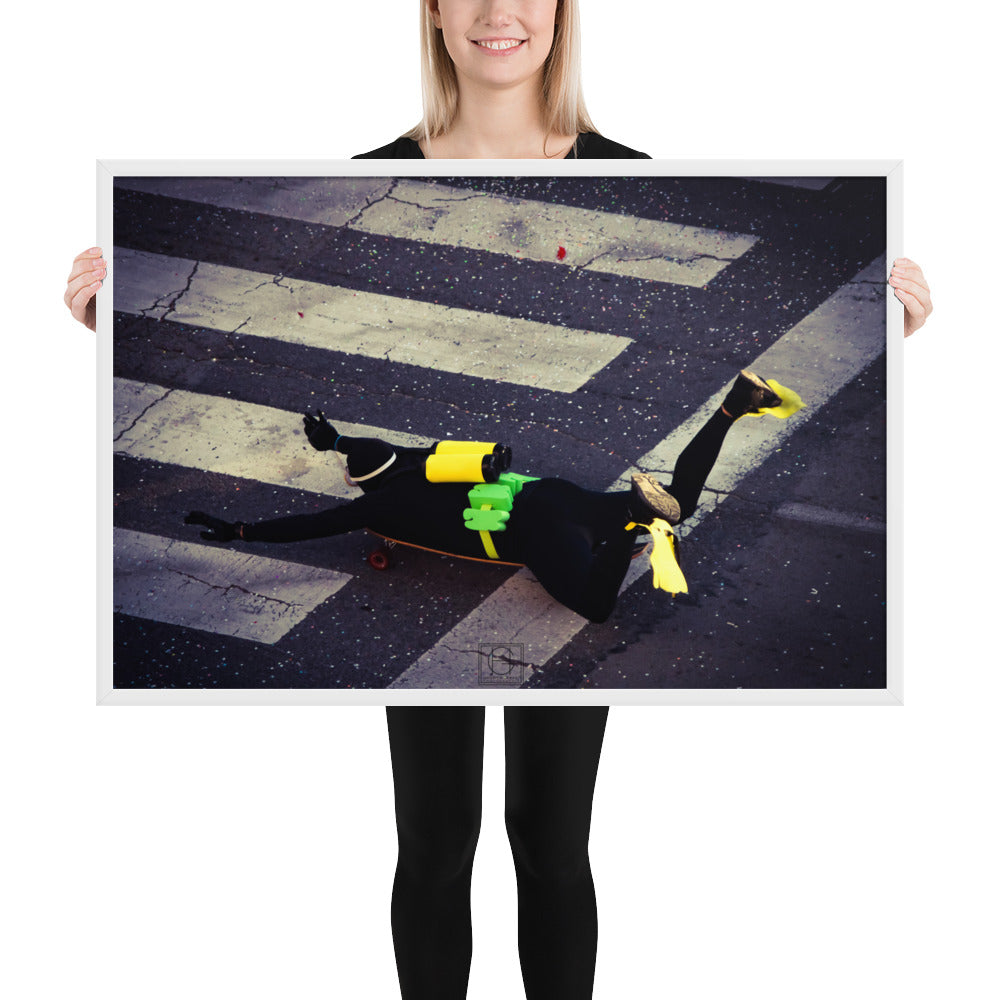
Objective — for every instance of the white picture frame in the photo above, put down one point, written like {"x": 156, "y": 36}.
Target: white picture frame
{"x": 785, "y": 180}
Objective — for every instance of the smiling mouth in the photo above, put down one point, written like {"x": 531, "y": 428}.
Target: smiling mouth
{"x": 499, "y": 44}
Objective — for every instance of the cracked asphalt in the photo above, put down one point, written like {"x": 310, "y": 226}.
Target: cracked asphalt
{"x": 777, "y": 599}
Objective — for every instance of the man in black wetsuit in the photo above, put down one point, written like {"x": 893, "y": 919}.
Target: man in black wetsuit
{"x": 574, "y": 540}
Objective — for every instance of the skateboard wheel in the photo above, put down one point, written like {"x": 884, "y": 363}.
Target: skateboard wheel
{"x": 379, "y": 559}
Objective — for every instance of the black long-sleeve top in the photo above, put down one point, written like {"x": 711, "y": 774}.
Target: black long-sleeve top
{"x": 588, "y": 146}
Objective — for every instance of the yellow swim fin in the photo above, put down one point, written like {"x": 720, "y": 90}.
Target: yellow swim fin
{"x": 667, "y": 573}
{"x": 790, "y": 403}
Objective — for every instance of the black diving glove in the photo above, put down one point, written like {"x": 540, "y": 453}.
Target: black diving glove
{"x": 321, "y": 433}
{"x": 219, "y": 530}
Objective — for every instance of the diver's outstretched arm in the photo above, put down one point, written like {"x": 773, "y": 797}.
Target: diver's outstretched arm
{"x": 338, "y": 520}
{"x": 323, "y": 436}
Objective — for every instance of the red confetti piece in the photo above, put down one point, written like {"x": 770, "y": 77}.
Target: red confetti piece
{"x": 560, "y": 253}
{"x": 302, "y": 315}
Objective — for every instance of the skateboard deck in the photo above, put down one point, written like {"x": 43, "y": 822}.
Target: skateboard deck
{"x": 380, "y": 558}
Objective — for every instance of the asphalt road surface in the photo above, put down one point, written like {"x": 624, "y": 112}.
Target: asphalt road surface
{"x": 589, "y": 323}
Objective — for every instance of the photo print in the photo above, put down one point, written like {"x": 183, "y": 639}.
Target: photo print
{"x": 382, "y": 435}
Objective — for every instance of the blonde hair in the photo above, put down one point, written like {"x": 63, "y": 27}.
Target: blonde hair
{"x": 562, "y": 92}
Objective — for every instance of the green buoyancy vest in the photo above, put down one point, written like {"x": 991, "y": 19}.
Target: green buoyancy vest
{"x": 490, "y": 507}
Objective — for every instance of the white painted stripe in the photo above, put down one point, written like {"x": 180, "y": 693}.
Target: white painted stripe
{"x": 498, "y": 348}
{"x": 215, "y": 589}
{"x": 329, "y": 201}
{"x": 535, "y": 230}
{"x": 229, "y": 436}
{"x": 435, "y": 213}
{"x": 816, "y": 358}
{"x": 829, "y": 518}
{"x": 518, "y": 612}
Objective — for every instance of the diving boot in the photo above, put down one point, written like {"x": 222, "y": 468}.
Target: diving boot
{"x": 649, "y": 500}
{"x": 749, "y": 395}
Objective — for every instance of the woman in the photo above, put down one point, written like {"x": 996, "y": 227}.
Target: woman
{"x": 501, "y": 79}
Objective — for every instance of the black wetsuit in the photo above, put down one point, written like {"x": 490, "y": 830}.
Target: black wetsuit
{"x": 573, "y": 539}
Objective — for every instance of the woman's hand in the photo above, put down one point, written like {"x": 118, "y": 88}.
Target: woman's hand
{"x": 911, "y": 289}
{"x": 85, "y": 278}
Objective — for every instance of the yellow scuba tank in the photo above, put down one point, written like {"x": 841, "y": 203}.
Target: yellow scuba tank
{"x": 466, "y": 447}
{"x": 467, "y": 462}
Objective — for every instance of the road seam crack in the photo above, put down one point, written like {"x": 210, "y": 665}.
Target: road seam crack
{"x": 139, "y": 417}
{"x": 349, "y": 224}
{"x": 172, "y": 304}
{"x": 232, "y": 586}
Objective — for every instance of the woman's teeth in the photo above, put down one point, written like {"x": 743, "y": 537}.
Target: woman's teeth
{"x": 508, "y": 43}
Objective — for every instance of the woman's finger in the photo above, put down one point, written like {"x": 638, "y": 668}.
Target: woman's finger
{"x": 96, "y": 269}
{"x": 78, "y": 304}
{"x": 74, "y": 286}
{"x": 911, "y": 279}
{"x": 81, "y": 282}
{"x": 916, "y": 311}
{"x": 97, "y": 272}
{"x": 86, "y": 262}
{"x": 88, "y": 254}
{"x": 911, "y": 286}
{"x": 910, "y": 272}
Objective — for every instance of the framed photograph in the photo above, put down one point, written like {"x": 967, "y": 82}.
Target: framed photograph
{"x": 384, "y": 432}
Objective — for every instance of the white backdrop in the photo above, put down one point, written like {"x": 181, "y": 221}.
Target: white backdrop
{"x": 249, "y": 852}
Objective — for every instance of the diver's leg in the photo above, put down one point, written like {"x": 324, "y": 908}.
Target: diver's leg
{"x": 695, "y": 462}
{"x": 749, "y": 394}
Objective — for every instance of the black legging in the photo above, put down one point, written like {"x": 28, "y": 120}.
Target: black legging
{"x": 552, "y": 755}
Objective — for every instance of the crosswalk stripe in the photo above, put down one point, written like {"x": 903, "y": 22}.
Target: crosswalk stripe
{"x": 232, "y": 437}
{"x": 215, "y": 589}
{"x": 816, "y": 358}
{"x": 811, "y": 514}
{"x": 536, "y": 230}
{"x": 326, "y": 201}
{"x": 463, "y": 341}
{"x": 594, "y": 240}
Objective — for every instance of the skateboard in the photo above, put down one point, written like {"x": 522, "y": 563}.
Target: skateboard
{"x": 381, "y": 557}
